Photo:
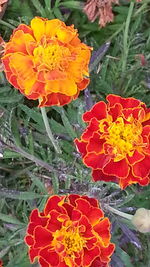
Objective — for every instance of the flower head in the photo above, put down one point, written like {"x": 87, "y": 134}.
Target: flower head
{"x": 101, "y": 9}
{"x": 141, "y": 220}
{"x": 71, "y": 231}
{"x": 47, "y": 61}
{"x": 1, "y": 263}
{"x": 116, "y": 143}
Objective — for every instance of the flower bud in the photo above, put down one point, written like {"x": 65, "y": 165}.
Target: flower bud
{"x": 141, "y": 220}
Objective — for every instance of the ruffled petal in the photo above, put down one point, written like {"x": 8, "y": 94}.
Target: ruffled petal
{"x": 142, "y": 168}
{"x": 96, "y": 161}
{"x": 99, "y": 111}
{"x": 119, "y": 169}
{"x": 125, "y": 102}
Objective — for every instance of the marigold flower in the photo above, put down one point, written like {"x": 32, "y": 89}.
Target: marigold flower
{"x": 116, "y": 143}
{"x": 101, "y": 9}
{"x": 141, "y": 220}
{"x": 71, "y": 231}
{"x": 47, "y": 61}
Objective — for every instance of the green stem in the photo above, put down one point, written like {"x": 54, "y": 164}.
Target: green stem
{"x": 125, "y": 37}
{"x": 49, "y": 132}
{"x": 118, "y": 212}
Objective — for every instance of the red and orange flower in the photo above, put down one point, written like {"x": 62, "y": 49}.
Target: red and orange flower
{"x": 1, "y": 263}
{"x": 116, "y": 143}
{"x": 71, "y": 231}
{"x": 47, "y": 61}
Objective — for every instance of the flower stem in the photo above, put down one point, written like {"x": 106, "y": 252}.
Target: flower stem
{"x": 118, "y": 212}
{"x": 49, "y": 132}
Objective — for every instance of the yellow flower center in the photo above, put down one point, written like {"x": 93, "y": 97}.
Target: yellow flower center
{"x": 70, "y": 238}
{"x": 73, "y": 242}
{"x": 53, "y": 56}
{"x": 124, "y": 137}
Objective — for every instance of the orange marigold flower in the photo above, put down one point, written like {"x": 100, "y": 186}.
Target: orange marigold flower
{"x": 116, "y": 143}
{"x": 47, "y": 61}
{"x": 71, "y": 231}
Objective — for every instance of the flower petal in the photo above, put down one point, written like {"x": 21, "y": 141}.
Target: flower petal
{"x": 98, "y": 175}
{"x": 136, "y": 157}
{"x": 96, "y": 161}
{"x": 93, "y": 127}
{"x": 38, "y": 27}
{"x": 125, "y": 102}
{"x": 95, "y": 143}
{"x": 89, "y": 256}
{"x": 119, "y": 169}
{"x": 142, "y": 168}
{"x": 55, "y": 202}
{"x": 98, "y": 111}
{"x": 50, "y": 256}
{"x": 54, "y": 99}
{"x": 42, "y": 237}
{"x": 103, "y": 229}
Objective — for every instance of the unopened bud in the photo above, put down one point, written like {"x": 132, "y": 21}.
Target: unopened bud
{"x": 141, "y": 220}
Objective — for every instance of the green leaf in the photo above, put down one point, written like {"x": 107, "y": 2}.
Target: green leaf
{"x": 39, "y": 7}
{"x": 8, "y": 154}
{"x": 125, "y": 258}
{"x": 4, "y": 89}
{"x": 11, "y": 99}
{"x": 4, "y": 251}
{"x": 14, "y": 129}
{"x": 72, "y": 4}
{"x": 55, "y": 183}
{"x": 10, "y": 219}
{"x": 36, "y": 116}
{"x": 67, "y": 125}
{"x": 37, "y": 182}
{"x": 18, "y": 194}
